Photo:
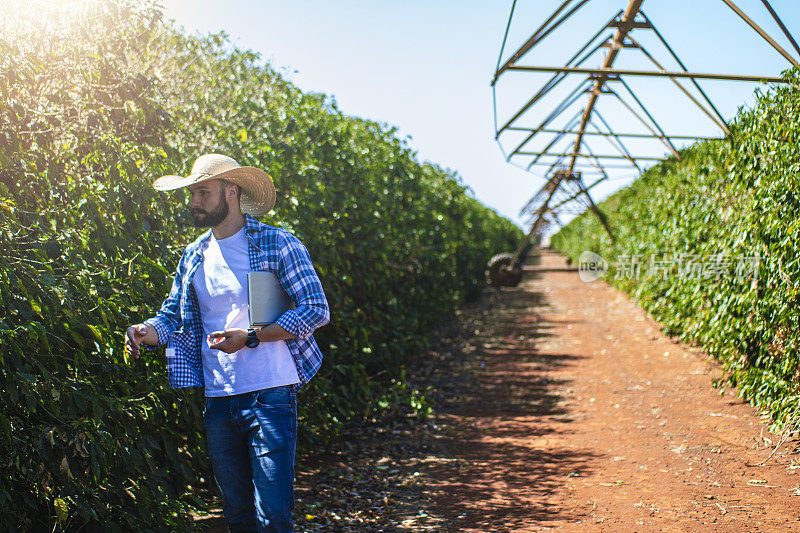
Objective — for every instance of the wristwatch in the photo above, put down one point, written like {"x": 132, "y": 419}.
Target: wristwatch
{"x": 252, "y": 339}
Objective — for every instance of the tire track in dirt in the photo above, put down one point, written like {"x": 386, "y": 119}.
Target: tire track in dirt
{"x": 583, "y": 416}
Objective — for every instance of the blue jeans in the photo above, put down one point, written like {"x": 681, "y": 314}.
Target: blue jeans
{"x": 251, "y": 440}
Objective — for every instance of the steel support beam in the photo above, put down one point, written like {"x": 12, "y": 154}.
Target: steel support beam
{"x": 623, "y": 149}
{"x": 517, "y": 259}
{"x": 672, "y": 147}
{"x": 584, "y": 165}
{"x": 590, "y": 187}
{"x": 596, "y": 211}
{"x": 562, "y": 106}
{"x": 722, "y": 125}
{"x": 631, "y": 135}
{"x": 778, "y": 20}
{"x": 597, "y": 163}
{"x": 628, "y": 18}
{"x": 556, "y": 138}
{"x": 540, "y": 34}
{"x": 604, "y": 71}
{"x": 761, "y": 32}
{"x": 662, "y": 138}
{"x": 601, "y": 156}
{"x": 551, "y": 83}
{"x": 619, "y": 24}
{"x": 683, "y": 67}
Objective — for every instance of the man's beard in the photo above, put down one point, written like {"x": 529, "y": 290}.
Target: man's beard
{"x": 202, "y": 219}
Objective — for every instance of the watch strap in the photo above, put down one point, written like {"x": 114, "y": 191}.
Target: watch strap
{"x": 252, "y": 338}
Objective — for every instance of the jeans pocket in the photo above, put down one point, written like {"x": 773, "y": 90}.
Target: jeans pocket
{"x": 274, "y": 398}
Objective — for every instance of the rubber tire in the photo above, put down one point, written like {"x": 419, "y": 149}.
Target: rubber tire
{"x": 496, "y": 274}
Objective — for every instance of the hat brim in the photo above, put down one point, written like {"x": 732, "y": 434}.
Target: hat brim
{"x": 258, "y": 190}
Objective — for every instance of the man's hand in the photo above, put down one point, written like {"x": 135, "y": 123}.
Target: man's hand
{"x": 136, "y": 335}
{"x": 228, "y": 341}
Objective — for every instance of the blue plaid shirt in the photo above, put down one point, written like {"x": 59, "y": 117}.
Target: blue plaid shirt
{"x": 180, "y": 326}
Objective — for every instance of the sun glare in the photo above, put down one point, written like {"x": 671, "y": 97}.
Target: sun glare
{"x": 52, "y": 18}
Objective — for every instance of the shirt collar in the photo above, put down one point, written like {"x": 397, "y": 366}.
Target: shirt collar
{"x": 204, "y": 238}
{"x": 250, "y": 224}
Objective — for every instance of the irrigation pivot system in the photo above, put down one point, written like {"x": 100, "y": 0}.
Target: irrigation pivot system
{"x": 557, "y": 143}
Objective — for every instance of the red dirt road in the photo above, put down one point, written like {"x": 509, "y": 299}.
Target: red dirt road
{"x": 586, "y": 417}
{"x": 558, "y": 405}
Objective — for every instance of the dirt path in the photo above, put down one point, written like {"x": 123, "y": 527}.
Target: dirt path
{"x": 587, "y": 418}
{"x": 559, "y": 405}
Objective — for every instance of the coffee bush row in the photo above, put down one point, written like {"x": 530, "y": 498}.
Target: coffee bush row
{"x": 98, "y": 99}
{"x": 725, "y": 205}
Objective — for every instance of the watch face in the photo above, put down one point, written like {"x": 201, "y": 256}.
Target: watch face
{"x": 252, "y": 340}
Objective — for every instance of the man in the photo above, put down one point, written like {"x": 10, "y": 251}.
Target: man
{"x": 250, "y": 375}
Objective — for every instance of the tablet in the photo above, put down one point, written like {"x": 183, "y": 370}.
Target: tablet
{"x": 266, "y": 299}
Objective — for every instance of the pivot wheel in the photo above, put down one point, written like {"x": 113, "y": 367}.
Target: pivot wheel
{"x": 498, "y": 273}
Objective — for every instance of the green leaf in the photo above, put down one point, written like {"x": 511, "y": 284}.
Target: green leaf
{"x": 95, "y": 332}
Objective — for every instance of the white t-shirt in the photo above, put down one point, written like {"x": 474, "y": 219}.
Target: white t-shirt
{"x": 221, "y": 286}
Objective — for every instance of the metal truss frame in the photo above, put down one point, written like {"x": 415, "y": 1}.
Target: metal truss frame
{"x": 564, "y": 176}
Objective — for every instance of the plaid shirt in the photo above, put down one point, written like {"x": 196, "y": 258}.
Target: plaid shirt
{"x": 180, "y": 326}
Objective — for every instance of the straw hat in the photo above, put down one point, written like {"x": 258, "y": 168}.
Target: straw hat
{"x": 258, "y": 191}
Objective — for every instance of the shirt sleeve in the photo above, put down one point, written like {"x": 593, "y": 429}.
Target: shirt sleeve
{"x": 298, "y": 277}
{"x": 167, "y": 319}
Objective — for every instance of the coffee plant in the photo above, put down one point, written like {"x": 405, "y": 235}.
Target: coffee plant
{"x": 723, "y": 201}
{"x": 99, "y": 98}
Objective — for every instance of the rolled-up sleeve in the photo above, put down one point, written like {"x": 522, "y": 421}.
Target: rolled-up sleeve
{"x": 298, "y": 277}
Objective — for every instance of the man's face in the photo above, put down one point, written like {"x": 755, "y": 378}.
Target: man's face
{"x": 208, "y": 205}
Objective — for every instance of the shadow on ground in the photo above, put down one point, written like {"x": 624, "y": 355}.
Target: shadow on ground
{"x": 496, "y": 408}
{"x": 479, "y": 462}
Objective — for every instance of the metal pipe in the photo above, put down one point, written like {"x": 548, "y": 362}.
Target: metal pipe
{"x": 601, "y": 156}
{"x": 550, "y": 85}
{"x": 596, "y": 210}
{"x": 628, "y": 17}
{"x": 565, "y": 103}
{"x": 632, "y": 135}
{"x": 546, "y": 188}
{"x": 583, "y": 190}
{"x": 583, "y": 165}
{"x": 534, "y": 228}
{"x": 648, "y": 73}
{"x": 662, "y": 138}
{"x": 558, "y": 137}
{"x": 554, "y": 165}
{"x": 610, "y": 130}
{"x": 780, "y": 23}
{"x": 522, "y": 50}
{"x": 722, "y": 125}
{"x": 539, "y": 35}
{"x": 650, "y": 116}
{"x": 680, "y": 63}
{"x": 599, "y": 181}
{"x": 629, "y": 25}
{"x": 620, "y": 147}
{"x": 761, "y": 32}
{"x": 505, "y": 36}
{"x": 597, "y": 162}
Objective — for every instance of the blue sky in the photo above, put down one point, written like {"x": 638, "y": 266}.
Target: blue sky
{"x": 425, "y": 66}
